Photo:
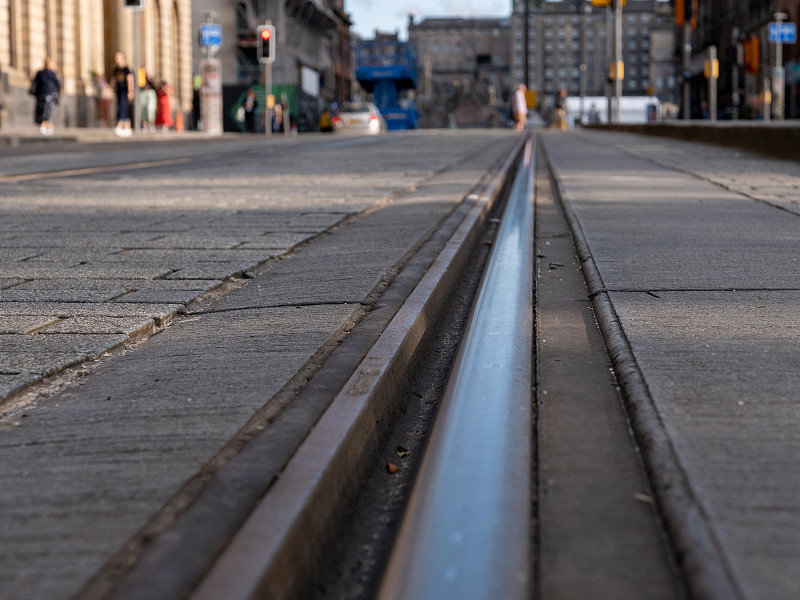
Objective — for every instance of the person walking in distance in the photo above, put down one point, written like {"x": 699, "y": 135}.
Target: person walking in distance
{"x": 47, "y": 89}
{"x": 123, "y": 85}
{"x": 519, "y": 108}
{"x": 250, "y": 105}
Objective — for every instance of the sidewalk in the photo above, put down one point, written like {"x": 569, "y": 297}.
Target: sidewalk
{"x": 16, "y": 136}
{"x": 691, "y": 252}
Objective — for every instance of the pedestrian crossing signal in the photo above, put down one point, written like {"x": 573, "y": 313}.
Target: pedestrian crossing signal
{"x": 133, "y": 4}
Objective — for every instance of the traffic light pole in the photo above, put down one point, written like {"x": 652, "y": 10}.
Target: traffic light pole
{"x": 267, "y": 94}
{"x": 619, "y": 72}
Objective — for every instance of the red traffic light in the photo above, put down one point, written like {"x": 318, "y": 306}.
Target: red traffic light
{"x": 265, "y": 44}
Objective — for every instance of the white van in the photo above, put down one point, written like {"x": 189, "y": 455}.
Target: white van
{"x": 633, "y": 109}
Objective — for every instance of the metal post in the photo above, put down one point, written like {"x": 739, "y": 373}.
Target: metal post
{"x": 712, "y": 84}
{"x": 526, "y": 40}
{"x": 583, "y": 92}
{"x": 267, "y": 94}
{"x": 767, "y": 93}
{"x": 778, "y": 76}
{"x": 618, "y": 58}
{"x": 609, "y": 56}
{"x": 735, "y": 73}
{"x": 137, "y": 113}
{"x": 687, "y": 62}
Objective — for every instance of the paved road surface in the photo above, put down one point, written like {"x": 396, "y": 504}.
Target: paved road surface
{"x": 696, "y": 248}
{"x": 690, "y": 251}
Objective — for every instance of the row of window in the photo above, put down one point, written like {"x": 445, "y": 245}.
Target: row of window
{"x": 561, "y": 57}
{"x": 631, "y": 83}
{"x": 550, "y": 20}
{"x": 576, "y": 46}
{"x": 589, "y": 33}
{"x": 446, "y": 47}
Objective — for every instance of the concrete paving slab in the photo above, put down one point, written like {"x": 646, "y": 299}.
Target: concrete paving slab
{"x": 23, "y": 324}
{"x": 702, "y": 276}
{"x": 94, "y": 324}
{"x": 68, "y": 309}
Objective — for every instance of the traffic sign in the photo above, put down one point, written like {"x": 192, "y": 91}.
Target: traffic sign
{"x": 785, "y": 33}
{"x": 210, "y": 34}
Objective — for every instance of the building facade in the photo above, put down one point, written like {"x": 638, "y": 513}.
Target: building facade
{"x": 464, "y": 69}
{"x": 313, "y": 64}
{"x": 740, "y": 33}
{"x": 568, "y": 44}
{"x": 82, "y": 37}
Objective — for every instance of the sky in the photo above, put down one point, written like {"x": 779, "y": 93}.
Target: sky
{"x": 392, "y": 15}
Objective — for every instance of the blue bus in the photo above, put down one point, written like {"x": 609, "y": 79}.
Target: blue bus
{"x": 387, "y": 68}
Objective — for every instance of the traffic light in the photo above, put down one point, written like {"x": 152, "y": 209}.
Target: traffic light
{"x": 265, "y": 44}
{"x": 751, "y": 54}
{"x": 605, "y": 3}
{"x": 134, "y": 4}
{"x": 686, "y": 10}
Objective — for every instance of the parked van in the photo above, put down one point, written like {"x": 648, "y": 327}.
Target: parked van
{"x": 633, "y": 109}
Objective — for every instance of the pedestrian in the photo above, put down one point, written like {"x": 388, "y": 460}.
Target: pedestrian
{"x": 149, "y": 100}
{"x": 197, "y": 83}
{"x": 123, "y": 86}
{"x": 250, "y": 104}
{"x": 47, "y": 89}
{"x": 519, "y": 108}
{"x": 560, "y": 117}
{"x": 594, "y": 116}
{"x": 164, "y": 109}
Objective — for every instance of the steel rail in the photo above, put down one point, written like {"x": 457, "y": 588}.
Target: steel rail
{"x": 466, "y": 532}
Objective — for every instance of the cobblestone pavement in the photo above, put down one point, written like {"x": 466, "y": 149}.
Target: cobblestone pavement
{"x": 87, "y": 261}
{"x": 92, "y": 260}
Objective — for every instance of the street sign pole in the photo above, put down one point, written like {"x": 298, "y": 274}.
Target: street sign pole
{"x": 211, "y": 70}
{"x": 135, "y": 6}
{"x": 137, "y": 113}
{"x": 777, "y": 75}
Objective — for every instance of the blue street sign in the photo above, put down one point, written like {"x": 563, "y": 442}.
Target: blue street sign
{"x": 785, "y": 33}
{"x": 210, "y": 35}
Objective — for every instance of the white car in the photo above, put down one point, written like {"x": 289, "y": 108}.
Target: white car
{"x": 359, "y": 117}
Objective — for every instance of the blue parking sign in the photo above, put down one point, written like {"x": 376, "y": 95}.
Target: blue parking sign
{"x": 210, "y": 34}
{"x": 785, "y": 33}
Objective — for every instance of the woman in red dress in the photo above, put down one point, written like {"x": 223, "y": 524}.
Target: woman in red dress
{"x": 164, "y": 110}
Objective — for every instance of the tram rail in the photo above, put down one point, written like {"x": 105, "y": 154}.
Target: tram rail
{"x": 466, "y": 531}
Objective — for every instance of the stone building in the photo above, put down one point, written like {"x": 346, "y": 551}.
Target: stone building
{"x": 562, "y": 35}
{"x": 313, "y": 65}
{"x": 464, "y": 69}
{"x": 739, "y": 31}
{"x": 82, "y": 37}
